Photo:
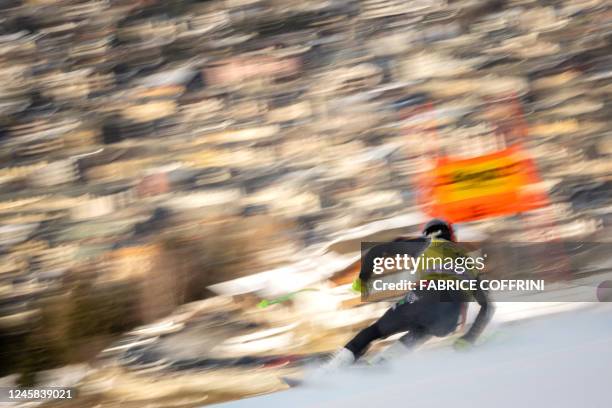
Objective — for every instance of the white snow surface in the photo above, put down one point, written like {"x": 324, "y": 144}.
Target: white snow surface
{"x": 563, "y": 360}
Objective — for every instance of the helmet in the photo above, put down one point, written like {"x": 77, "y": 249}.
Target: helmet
{"x": 440, "y": 229}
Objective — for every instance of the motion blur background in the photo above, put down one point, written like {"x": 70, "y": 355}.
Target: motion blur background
{"x": 153, "y": 152}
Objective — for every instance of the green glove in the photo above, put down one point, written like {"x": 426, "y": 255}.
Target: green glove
{"x": 356, "y": 286}
{"x": 462, "y": 344}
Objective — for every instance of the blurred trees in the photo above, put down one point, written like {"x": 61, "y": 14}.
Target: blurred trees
{"x": 137, "y": 285}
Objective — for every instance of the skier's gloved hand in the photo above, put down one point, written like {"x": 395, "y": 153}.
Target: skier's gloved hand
{"x": 462, "y": 344}
{"x": 356, "y": 286}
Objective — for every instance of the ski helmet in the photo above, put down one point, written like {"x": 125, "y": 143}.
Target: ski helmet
{"x": 440, "y": 229}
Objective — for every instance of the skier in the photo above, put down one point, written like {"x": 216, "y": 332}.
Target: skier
{"x": 421, "y": 313}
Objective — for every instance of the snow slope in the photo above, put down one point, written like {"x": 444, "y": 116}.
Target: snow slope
{"x": 561, "y": 361}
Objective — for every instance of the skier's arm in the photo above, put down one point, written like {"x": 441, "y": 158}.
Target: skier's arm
{"x": 484, "y": 315}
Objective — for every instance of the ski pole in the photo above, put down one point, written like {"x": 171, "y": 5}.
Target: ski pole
{"x": 265, "y": 302}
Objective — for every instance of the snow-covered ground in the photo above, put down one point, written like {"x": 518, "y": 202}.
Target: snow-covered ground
{"x": 563, "y": 360}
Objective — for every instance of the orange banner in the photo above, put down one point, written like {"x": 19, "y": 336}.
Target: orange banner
{"x": 500, "y": 183}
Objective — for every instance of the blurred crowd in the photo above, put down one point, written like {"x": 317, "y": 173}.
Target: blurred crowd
{"x": 142, "y": 137}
